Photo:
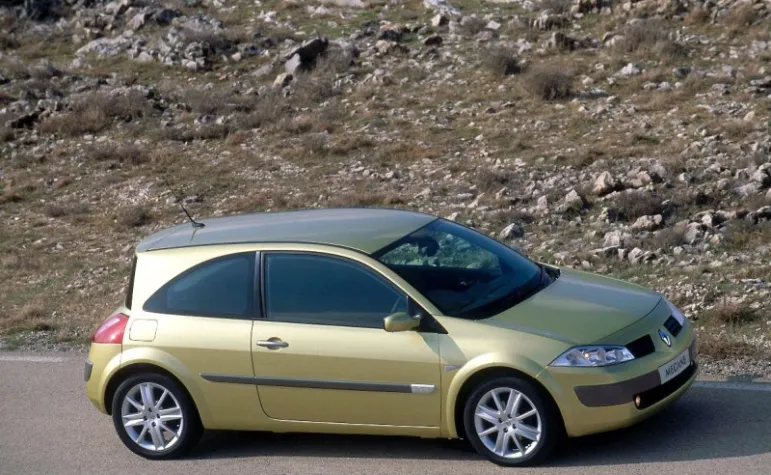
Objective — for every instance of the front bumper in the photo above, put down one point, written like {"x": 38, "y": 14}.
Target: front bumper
{"x": 645, "y": 390}
{"x": 594, "y": 400}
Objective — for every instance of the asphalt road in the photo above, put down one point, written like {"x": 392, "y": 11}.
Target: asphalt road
{"x": 47, "y": 426}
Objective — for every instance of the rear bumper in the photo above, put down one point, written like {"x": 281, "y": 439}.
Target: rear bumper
{"x": 103, "y": 361}
{"x": 87, "y": 370}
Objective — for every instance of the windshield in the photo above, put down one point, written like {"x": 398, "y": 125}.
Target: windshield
{"x": 463, "y": 272}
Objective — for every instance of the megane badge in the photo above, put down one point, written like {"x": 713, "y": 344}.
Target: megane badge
{"x": 665, "y": 338}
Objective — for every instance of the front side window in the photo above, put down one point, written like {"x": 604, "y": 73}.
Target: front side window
{"x": 222, "y": 287}
{"x": 309, "y": 288}
{"x": 461, "y": 271}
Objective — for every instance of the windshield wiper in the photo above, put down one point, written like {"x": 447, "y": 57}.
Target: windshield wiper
{"x": 470, "y": 304}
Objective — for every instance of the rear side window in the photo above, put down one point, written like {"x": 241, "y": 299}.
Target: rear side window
{"x": 221, "y": 287}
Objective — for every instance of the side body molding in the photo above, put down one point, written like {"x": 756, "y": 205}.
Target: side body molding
{"x": 322, "y": 384}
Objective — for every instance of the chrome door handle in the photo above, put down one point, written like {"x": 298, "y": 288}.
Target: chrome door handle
{"x": 272, "y": 344}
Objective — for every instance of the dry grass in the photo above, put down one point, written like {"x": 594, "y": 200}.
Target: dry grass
{"x": 310, "y": 90}
{"x": 5, "y": 98}
{"x": 666, "y": 238}
{"x": 210, "y": 131}
{"x": 348, "y": 144}
{"x": 314, "y": 144}
{"x": 732, "y": 312}
{"x": 502, "y": 61}
{"x": 43, "y": 71}
{"x": 266, "y": 111}
{"x": 400, "y": 152}
{"x": 365, "y": 198}
{"x": 556, "y": 6}
{"x": 14, "y": 69}
{"x": 720, "y": 347}
{"x": 96, "y": 112}
{"x": 8, "y": 42}
{"x": 698, "y": 16}
{"x": 549, "y": 83}
{"x": 136, "y": 216}
{"x": 59, "y": 211}
{"x": 742, "y": 17}
{"x": 215, "y": 40}
{"x": 334, "y": 61}
{"x": 123, "y": 153}
{"x": 743, "y": 234}
{"x": 32, "y": 316}
{"x": 210, "y": 101}
{"x": 632, "y": 205}
{"x": 733, "y": 129}
{"x": 652, "y": 39}
{"x": 473, "y": 25}
{"x": 586, "y": 156}
{"x": 492, "y": 180}
{"x": 89, "y": 120}
{"x": 6, "y": 133}
{"x": 11, "y": 196}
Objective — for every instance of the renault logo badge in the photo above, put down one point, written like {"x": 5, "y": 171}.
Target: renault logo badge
{"x": 665, "y": 338}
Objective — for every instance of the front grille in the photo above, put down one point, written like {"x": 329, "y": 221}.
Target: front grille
{"x": 654, "y": 395}
{"x": 673, "y": 326}
{"x": 641, "y": 347}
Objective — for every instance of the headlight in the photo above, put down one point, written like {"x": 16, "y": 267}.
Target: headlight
{"x": 596, "y": 355}
{"x": 676, "y": 313}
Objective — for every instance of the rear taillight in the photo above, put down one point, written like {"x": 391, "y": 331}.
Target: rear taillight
{"x": 111, "y": 330}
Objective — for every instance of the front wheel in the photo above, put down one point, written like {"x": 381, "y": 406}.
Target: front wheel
{"x": 154, "y": 417}
{"x": 510, "y": 422}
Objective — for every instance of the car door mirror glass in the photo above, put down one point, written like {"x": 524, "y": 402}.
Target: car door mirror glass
{"x": 400, "y": 322}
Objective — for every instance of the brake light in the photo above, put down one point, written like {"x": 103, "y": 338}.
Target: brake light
{"x": 111, "y": 330}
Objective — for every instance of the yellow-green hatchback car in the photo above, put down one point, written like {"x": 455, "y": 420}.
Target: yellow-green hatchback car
{"x": 377, "y": 321}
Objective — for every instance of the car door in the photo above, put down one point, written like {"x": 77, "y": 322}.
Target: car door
{"x": 321, "y": 354}
{"x": 200, "y": 324}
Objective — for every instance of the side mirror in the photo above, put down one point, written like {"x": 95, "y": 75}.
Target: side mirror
{"x": 400, "y": 322}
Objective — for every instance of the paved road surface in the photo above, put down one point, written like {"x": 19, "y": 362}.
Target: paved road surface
{"x": 47, "y": 426}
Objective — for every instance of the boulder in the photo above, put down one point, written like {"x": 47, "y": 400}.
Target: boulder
{"x": 648, "y": 223}
{"x": 433, "y": 40}
{"x": 439, "y": 20}
{"x": 604, "y": 184}
{"x": 616, "y": 239}
{"x": 512, "y": 231}
{"x": 307, "y": 53}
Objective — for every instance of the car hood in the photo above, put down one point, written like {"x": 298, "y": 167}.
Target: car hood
{"x": 579, "y": 308}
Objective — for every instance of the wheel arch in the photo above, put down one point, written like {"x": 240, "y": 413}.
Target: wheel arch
{"x": 126, "y": 372}
{"x": 473, "y": 378}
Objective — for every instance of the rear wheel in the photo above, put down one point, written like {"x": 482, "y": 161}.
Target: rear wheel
{"x": 154, "y": 417}
{"x": 511, "y": 423}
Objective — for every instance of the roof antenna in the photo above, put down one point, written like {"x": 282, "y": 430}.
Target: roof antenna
{"x": 195, "y": 223}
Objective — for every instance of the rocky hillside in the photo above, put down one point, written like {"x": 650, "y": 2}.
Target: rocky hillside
{"x": 629, "y": 138}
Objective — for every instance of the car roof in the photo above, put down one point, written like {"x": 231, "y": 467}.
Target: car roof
{"x": 364, "y": 229}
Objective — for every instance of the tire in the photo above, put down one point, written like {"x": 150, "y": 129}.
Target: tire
{"x": 538, "y": 433}
{"x": 155, "y": 435}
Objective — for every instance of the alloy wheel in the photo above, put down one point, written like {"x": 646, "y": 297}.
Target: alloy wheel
{"x": 152, "y": 417}
{"x": 507, "y": 423}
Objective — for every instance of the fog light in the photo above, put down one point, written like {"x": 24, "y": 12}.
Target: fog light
{"x": 637, "y": 400}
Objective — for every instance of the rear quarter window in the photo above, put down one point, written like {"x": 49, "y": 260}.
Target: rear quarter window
{"x": 221, "y": 287}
